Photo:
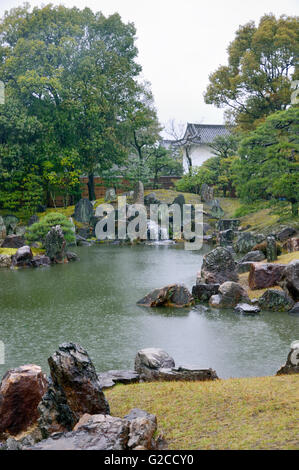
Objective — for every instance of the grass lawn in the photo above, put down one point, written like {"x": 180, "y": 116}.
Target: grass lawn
{"x": 250, "y": 413}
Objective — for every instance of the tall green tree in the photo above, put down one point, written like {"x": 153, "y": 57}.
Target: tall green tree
{"x": 269, "y": 165}
{"x": 262, "y": 62}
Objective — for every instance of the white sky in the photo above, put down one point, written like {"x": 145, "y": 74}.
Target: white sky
{"x": 180, "y": 43}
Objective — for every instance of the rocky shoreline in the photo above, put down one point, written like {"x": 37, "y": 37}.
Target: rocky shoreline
{"x": 69, "y": 411}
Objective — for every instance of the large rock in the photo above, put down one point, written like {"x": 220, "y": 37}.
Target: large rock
{"x": 99, "y": 432}
{"x": 138, "y": 197}
{"x": 291, "y": 245}
{"x": 40, "y": 261}
{"x": 180, "y": 200}
{"x": 21, "y": 390}
{"x": 83, "y": 211}
{"x": 55, "y": 245}
{"x": 292, "y": 364}
{"x": 206, "y": 193}
{"x": 246, "y": 241}
{"x": 151, "y": 199}
{"x": 110, "y": 195}
{"x": 255, "y": 256}
{"x": 151, "y": 359}
{"x": 246, "y": 309}
{"x": 75, "y": 390}
{"x": 5, "y": 261}
{"x": 295, "y": 310}
{"x": 226, "y": 237}
{"x": 174, "y": 295}
{"x": 244, "y": 267}
{"x": 215, "y": 209}
{"x": 275, "y": 300}
{"x": 23, "y": 257}
{"x": 271, "y": 249}
{"x": 290, "y": 279}
{"x": 265, "y": 275}
{"x": 228, "y": 224}
{"x": 13, "y": 241}
{"x": 284, "y": 234}
{"x": 154, "y": 364}
{"x": 230, "y": 294}
{"x": 218, "y": 266}
{"x": 203, "y": 292}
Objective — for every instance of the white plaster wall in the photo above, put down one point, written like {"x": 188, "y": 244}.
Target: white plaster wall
{"x": 199, "y": 154}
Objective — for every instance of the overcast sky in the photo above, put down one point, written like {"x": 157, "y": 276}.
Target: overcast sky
{"x": 180, "y": 43}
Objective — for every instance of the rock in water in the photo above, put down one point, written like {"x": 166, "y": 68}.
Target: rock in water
{"x": 292, "y": 364}
{"x": 290, "y": 279}
{"x": 265, "y": 275}
{"x": 21, "y": 390}
{"x": 276, "y": 301}
{"x": 295, "y": 309}
{"x": 151, "y": 359}
{"x": 138, "y": 197}
{"x": 55, "y": 245}
{"x": 5, "y": 261}
{"x": 271, "y": 249}
{"x": 23, "y": 257}
{"x": 203, "y": 292}
{"x": 246, "y": 309}
{"x": 218, "y": 266}
{"x": 174, "y": 295}
{"x": 75, "y": 390}
{"x": 230, "y": 294}
{"x": 83, "y": 211}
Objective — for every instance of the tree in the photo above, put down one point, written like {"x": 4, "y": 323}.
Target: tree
{"x": 162, "y": 162}
{"x": 269, "y": 165}
{"x": 225, "y": 145}
{"x": 75, "y": 72}
{"x": 262, "y": 62}
{"x": 39, "y": 230}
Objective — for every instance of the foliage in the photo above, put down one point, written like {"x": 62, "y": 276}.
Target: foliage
{"x": 269, "y": 164}
{"x": 39, "y": 230}
{"x": 262, "y": 62}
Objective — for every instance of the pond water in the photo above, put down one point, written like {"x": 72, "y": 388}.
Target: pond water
{"x": 93, "y": 302}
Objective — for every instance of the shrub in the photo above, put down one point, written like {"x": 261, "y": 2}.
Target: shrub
{"x": 39, "y": 230}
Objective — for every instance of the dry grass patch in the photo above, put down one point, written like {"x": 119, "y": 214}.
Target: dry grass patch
{"x": 251, "y": 413}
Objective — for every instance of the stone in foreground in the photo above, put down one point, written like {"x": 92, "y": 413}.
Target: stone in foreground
{"x": 203, "y": 292}
{"x": 218, "y": 266}
{"x": 275, "y": 300}
{"x": 292, "y": 364}
{"x": 23, "y": 257}
{"x": 75, "y": 390}
{"x": 20, "y": 393}
{"x": 174, "y": 295}
{"x": 265, "y": 275}
{"x": 55, "y": 245}
{"x": 100, "y": 432}
{"x": 247, "y": 309}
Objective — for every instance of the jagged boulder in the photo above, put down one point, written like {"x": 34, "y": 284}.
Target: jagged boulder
{"x": 215, "y": 209}
{"x": 83, "y": 211}
{"x": 265, "y": 275}
{"x": 151, "y": 359}
{"x": 5, "y": 261}
{"x": 21, "y": 390}
{"x": 55, "y": 245}
{"x": 246, "y": 241}
{"x": 226, "y": 237}
{"x": 110, "y": 195}
{"x": 271, "y": 249}
{"x": 218, "y": 266}
{"x": 290, "y": 279}
{"x": 284, "y": 234}
{"x": 275, "y": 300}
{"x": 13, "y": 241}
{"x": 180, "y": 200}
{"x": 203, "y": 292}
{"x": 174, "y": 295}
{"x": 228, "y": 224}
{"x": 206, "y": 193}
{"x": 247, "y": 309}
{"x": 74, "y": 391}
{"x": 23, "y": 257}
{"x": 151, "y": 199}
{"x": 292, "y": 364}
{"x": 40, "y": 261}
{"x": 229, "y": 296}
{"x": 255, "y": 256}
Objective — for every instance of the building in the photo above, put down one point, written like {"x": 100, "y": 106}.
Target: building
{"x": 195, "y": 143}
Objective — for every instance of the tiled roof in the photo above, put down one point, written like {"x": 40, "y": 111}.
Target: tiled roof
{"x": 204, "y": 133}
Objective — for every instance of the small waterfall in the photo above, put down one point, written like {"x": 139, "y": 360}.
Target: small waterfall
{"x": 157, "y": 235}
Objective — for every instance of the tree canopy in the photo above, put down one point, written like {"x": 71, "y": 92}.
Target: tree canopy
{"x": 262, "y": 63}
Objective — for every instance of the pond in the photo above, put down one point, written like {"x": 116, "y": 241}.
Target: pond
{"x": 93, "y": 302}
